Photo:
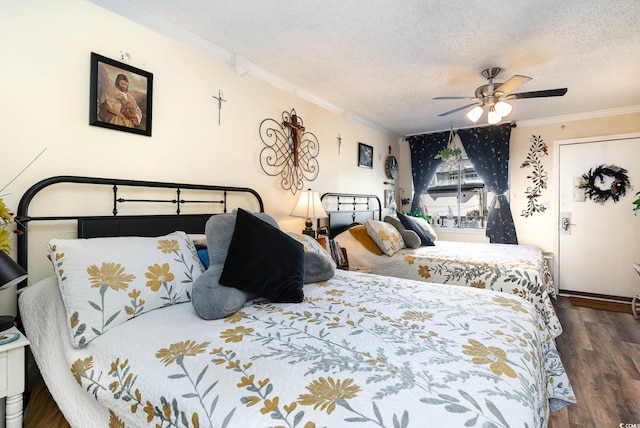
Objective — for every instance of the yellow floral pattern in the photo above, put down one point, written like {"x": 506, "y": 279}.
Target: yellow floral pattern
{"x": 109, "y": 275}
{"x": 324, "y": 393}
{"x": 361, "y": 350}
{"x": 385, "y": 236}
{"x": 108, "y": 281}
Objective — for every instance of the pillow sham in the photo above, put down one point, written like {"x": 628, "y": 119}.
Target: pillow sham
{"x": 210, "y": 299}
{"x": 410, "y": 238}
{"x": 410, "y": 224}
{"x": 427, "y": 228}
{"x": 361, "y": 235}
{"x": 318, "y": 264}
{"x": 107, "y": 281}
{"x": 385, "y": 236}
{"x": 264, "y": 260}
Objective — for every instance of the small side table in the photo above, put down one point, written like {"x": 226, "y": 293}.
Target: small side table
{"x": 12, "y": 377}
{"x": 636, "y": 300}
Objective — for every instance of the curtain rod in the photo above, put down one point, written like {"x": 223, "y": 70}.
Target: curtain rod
{"x": 513, "y": 125}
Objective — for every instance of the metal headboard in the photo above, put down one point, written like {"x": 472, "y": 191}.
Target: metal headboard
{"x": 112, "y": 224}
{"x": 345, "y": 209}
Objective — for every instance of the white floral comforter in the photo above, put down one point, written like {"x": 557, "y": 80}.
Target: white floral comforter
{"x": 515, "y": 269}
{"x": 361, "y": 350}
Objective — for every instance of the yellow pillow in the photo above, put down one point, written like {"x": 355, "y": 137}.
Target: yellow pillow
{"x": 361, "y": 235}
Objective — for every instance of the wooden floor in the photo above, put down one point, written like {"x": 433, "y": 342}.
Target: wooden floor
{"x": 601, "y": 354}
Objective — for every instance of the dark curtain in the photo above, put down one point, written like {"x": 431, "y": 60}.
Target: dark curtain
{"x": 488, "y": 151}
{"x": 424, "y": 148}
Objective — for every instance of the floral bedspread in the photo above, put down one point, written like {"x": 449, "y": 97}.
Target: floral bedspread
{"x": 361, "y": 350}
{"x": 515, "y": 269}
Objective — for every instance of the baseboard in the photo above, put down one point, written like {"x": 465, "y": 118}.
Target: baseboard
{"x": 601, "y": 304}
{"x": 599, "y": 301}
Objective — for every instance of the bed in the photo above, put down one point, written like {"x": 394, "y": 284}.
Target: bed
{"x": 360, "y": 349}
{"x": 515, "y": 269}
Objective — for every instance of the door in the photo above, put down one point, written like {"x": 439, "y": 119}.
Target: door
{"x": 597, "y": 243}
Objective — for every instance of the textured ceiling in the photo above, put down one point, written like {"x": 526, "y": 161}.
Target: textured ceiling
{"x": 383, "y": 61}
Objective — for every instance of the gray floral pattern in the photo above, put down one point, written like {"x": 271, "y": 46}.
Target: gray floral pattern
{"x": 362, "y": 350}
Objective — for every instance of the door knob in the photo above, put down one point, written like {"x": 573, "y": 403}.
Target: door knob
{"x": 566, "y": 223}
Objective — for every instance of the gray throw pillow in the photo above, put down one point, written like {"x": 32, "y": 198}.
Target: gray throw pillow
{"x": 210, "y": 299}
{"x": 411, "y": 238}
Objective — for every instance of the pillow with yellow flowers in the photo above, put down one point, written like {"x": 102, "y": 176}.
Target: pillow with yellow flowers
{"x": 385, "y": 236}
{"x": 107, "y": 281}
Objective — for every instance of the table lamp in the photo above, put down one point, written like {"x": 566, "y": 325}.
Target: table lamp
{"x": 309, "y": 206}
{"x": 10, "y": 274}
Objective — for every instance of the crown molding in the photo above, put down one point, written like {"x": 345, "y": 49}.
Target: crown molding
{"x": 580, "y": 116}
{"x": 239, "y": 65}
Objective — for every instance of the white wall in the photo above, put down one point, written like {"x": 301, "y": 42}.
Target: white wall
{"x": 44, "y": 102}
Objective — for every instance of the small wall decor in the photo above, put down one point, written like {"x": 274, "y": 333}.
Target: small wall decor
{"x": 537, "y": 150}
{"x": 120, "y": 96}
{"x": 391, "y": 166}
{"x": 221, "y": 100}
{"x": 365, "y": 156}
{"x": 290, "y": 152}
{"x": 599, "y": 189}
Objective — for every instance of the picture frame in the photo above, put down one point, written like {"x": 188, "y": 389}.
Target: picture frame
{"x": 120, "y": 96}
{"x": 389, "y": 195}
{"x": 365, "y": 156}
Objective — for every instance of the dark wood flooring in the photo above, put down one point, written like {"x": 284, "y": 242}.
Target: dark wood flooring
{"x": 601, "y": 353}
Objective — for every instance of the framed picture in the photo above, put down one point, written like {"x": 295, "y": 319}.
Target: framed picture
{"x": 388, "y": 197}
{"x": 120, "y": 96}
{"x": 365, "y": 155}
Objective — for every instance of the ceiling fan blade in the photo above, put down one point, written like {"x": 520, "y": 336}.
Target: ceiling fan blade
{"x": 453, "y": 98}
{"x": 457, "y": 109}
{"x": 513, "y": 83}
{"x": 538, "y": 94}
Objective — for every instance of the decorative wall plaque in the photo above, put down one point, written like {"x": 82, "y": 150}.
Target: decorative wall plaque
{"x": 290, "y": 151}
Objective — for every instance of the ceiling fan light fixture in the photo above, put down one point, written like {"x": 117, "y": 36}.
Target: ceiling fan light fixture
{"x": 503, "y": 108}
{"x": 474, "y": 114}
{"x": 493, "y": 116}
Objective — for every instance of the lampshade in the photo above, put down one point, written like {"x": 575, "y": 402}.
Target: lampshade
{"x": 10, "y": 272}
{"x": 309, "y": 206}
{"x": 474, "y": 114}
{"x": 493, "y": 117}
{"x": 503, "y": 108}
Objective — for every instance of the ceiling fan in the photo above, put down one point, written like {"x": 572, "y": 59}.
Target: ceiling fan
{"x": 494, "y": 96}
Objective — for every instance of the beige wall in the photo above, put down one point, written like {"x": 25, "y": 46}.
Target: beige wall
{"x": 45, "y": 100}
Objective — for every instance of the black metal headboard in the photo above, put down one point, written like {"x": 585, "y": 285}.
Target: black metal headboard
{"x": 212, "y": 199}
{"x": 345, "y": 209}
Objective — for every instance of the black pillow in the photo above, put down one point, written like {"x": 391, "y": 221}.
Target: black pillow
{"x": 263, "y": 260}
{"x": 408, "y": 223}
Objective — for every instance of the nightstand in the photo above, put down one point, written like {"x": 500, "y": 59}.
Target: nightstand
{"x": 12, "y": 377}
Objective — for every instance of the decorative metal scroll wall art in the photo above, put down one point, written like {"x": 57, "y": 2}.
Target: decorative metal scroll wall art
{"x": 604, "y": 182}
{"x": 291, "y": 152}
{"x": 537, "y": 150}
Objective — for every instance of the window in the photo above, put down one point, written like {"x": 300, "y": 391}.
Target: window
{"x": 457, "y": 189}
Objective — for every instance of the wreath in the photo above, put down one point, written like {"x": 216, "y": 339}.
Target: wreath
{"x": 597, "y": 176}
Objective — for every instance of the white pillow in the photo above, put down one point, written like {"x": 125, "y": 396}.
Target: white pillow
{"x": 107, "y": 281}
{"x": 427, "y": 227}
{"x": 385, "y": 236}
